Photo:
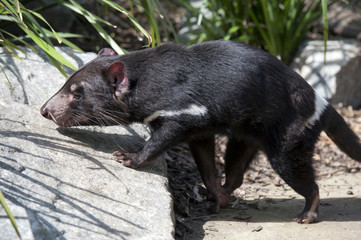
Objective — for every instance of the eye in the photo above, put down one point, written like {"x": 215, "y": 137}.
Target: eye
{"x": 77, "y": 92}
{"x": 77, "y": 97}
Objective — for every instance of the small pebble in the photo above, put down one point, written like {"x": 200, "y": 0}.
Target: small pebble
{"x": 257, "y": 229}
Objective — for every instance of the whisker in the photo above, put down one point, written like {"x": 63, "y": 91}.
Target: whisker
{"x": 104, "y": 118}
{"x": 110, "y": 118}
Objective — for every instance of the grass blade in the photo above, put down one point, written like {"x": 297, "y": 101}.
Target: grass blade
{"x": 16, "y": 38}
{"x": 165, "y": 15}
{"x": 48, "y": 49}
{"x": 153, "y": 22}
{"x": 57, "y": 65}
{"x": 43, "y": 19}
{"x": 92, "y": 19}
{"x": 63, "y": 37}
{"x": 325, "y": 28}
{"x": 12, "y": 12}
{"x": 9, "y": 46}
{"x": 7, "y": 210}
{"x": 131, "y": 18}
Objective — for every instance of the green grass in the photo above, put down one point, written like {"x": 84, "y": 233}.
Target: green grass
{"x": 277, "y": 26}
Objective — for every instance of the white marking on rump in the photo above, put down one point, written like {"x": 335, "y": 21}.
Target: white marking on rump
{"x": 320, "y": 106}
{"x": 193, "y": 110}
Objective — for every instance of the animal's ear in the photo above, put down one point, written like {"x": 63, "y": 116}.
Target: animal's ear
{"x": 106, "y": 52}
{"x": 118, "y": 78}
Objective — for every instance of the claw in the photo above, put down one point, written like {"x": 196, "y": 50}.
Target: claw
{"x": 125, "y": 159}
{"x": 307, "y": 218}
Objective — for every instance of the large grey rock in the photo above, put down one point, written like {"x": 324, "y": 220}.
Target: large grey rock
{"x": 34, "y": 79}
{"x": 309, "y": 63}
{"x": 348, "y": 83}
{"x": 345, "y": 19}
{"x": 62, "y": 183}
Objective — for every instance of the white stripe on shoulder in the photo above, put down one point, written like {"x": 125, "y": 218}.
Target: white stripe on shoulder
{"x": 192, "y": 109}
{"x": 320, "y": 106}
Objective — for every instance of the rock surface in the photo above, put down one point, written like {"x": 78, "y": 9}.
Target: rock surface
{"x": 345, "y": 19}
{"x": 348, "y": 84}
{"x": 324, "y": 78}
{"x": 63, "y": 183}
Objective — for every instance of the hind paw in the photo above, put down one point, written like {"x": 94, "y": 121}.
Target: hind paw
{"x": 307, "y": 217}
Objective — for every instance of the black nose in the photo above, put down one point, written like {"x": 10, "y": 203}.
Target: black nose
{"x": 44, "y": 112}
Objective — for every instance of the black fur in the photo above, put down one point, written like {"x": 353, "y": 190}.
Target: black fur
{"x": 249, "y": 95}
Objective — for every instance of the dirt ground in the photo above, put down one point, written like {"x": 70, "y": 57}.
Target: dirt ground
{"x": 264, "y": 206}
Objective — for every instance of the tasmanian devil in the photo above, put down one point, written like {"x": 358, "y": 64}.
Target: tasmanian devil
{"x": 192, "y": 93}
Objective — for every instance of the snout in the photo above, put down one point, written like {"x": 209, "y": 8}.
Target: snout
{"x": 45, "y": 112}
{"x": 48, "y": 114}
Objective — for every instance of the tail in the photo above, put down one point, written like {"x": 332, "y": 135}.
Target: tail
{"x": 340, "y": 133}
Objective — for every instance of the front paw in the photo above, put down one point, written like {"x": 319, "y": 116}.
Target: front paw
{"x": 127, "y": 159}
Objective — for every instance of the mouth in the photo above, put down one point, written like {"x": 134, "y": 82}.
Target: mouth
{"x": 61, "y": 122}
{"x": 53, "y": 118}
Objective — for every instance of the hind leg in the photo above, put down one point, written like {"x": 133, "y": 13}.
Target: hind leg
{"x": 203, "y": 152}
{"x": 293, "y": 162}
{"x": 239, "y": 155}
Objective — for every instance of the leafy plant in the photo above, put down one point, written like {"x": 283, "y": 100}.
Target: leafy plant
{"x": 278, "y": 26}
{"x": 153, "y": 9}
{"x": 32, "y": 24}
{"x": 220, "y": 20}
{"x": 25, "y": 20}
{"x": 282, "y": 25}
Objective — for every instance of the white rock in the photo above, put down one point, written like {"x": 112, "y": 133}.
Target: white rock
{"x": 309, "y": 63}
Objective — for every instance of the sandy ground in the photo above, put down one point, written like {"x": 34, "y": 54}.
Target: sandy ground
{"x": 271, "y": 217}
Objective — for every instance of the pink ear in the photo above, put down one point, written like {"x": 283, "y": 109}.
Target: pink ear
{"x": 106, "y": 52}
{"x": 117, "y": 74}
